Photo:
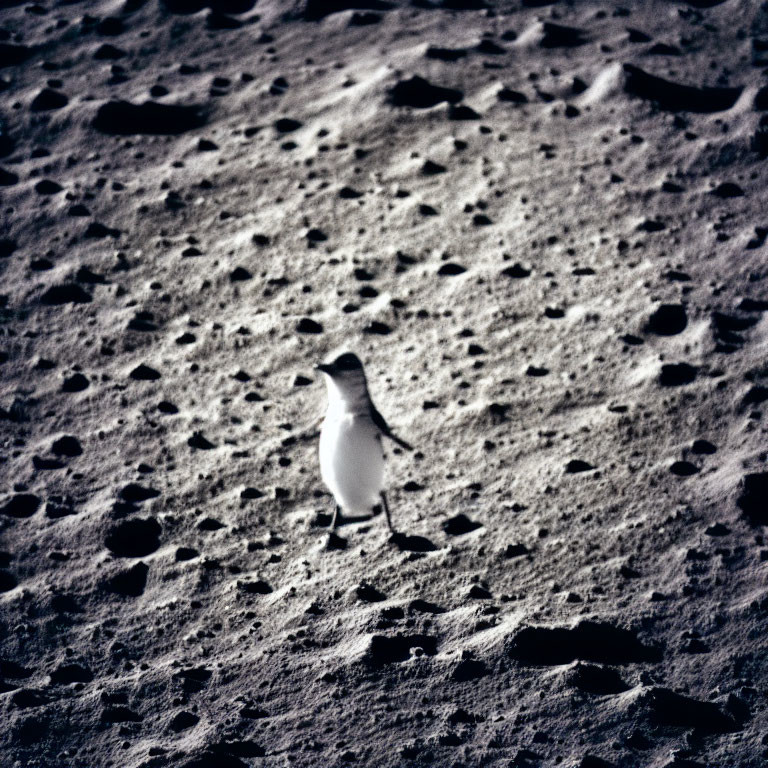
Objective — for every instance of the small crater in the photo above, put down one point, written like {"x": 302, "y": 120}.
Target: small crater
{"x": 445, "y": 54}
{"x": 307, "y": 325}
{"x": 134, "y": 493}
{"x": 27, "y": 698}
{"x": 755, "y": 396}
{"x": 390, "y": 650}
{"x": 683, "y": 468}
{"x": 48, "y": 187}
{"x": 377, "y": 328}
{"x": 134, "y": 538}
{"x": 8, "y": 178}
{"x": 129, "y": 583}
{"x": 369, "y": 594}
{"x": 255, "y": 587}
{"x": 14, "y": 671}
{"x": 462, "y": 112}
{"x": 430, "y": 168}
{"x": 717, "y": 529}
{"x": 48, "y": 100}
{"x": 239, "y": 275}
{"x": 316, "y": 235}
{"x": 677, "y": 374}
{"x": 577, "y": 465}
{"x": 668, "y": 708}
{"x": 7, "y": 247}
{"x": 651, "y": 225}
{"x": 468, "y": 670}
{"x": 516, "y": 271}
{"x": 69, "y": 293}
{"x": 13, "y": 55}
{"x": 424, "y": 606}
{"x": 200, "y": 442}
{"x": 675, "y": 96}
{"x": 703, "y": 447}
{"x": 421, "y": 94}
{"x": 588, "y": 641}
{"x": 59, "y": 506}
{"x": 77, "y": 382}
{"x": 668, "y": 320}
{"x": 121, "y": 118}
{"x": 119, "y": 714}
{"x": 109, "y": 52}
{"x": 511, "y": 96}
{"x": 194, "y": 679}
{"x": 67, "y": 446}
{"x": 287, "y": 125}
{"x": 726, "y": 329}
{"x": 98, "y": 231}
{"x": 460, "y": 524}
{"x": 21, "y": 505}
{"x": 601, "y": 681}
{"x": 451, "y": 269}
{"x": 727, "y": 190}
{"x": 183, "y": 720}
{"x": 560, "y": 36}
{"x": 753, "y": 492}
{"x": 144, "y": 373}
{"x": 71, "y": 673}
{"x": 516, "y": 550}
{"x": 7, "y": 581}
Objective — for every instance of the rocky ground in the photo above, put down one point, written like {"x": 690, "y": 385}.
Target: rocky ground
{"x": 541, "y": 225}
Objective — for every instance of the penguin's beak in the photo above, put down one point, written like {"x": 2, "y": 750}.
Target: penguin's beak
{"x": 324, "y": 368}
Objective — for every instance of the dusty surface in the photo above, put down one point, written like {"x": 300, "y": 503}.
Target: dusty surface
{"x": 553, "y": 264}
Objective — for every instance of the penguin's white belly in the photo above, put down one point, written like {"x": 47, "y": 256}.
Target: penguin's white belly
{"x": 352, "y": 462}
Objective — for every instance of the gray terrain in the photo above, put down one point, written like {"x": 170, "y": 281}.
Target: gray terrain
{"x": 541, "y": 225}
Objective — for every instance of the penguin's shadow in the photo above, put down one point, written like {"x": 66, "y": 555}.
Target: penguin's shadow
{"x": 403, "y": 541}
{"x": 323, "y": 520}
{"x": 406, "y": 543}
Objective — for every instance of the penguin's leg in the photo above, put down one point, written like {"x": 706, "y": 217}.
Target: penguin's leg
{"x": 386, "y": 509}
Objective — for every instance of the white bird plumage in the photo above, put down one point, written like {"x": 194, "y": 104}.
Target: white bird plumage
{"x": 351, "y": 452}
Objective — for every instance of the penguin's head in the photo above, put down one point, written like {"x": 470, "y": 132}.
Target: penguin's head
{"x": 346, "y": 373}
